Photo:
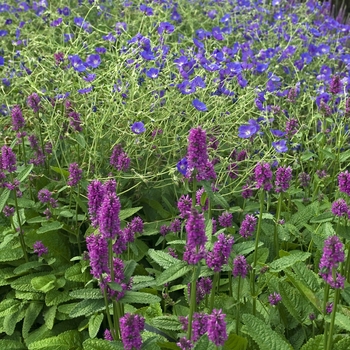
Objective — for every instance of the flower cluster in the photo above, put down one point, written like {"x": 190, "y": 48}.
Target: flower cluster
{"x": 333, "y": 254}
{"x": 221, "y": 252}
{"x": 283, "y": 178}
{"x": 119, "y": 159}
{"x": 248, "y": 226}
{"x": 130, "y": 329}
{"x": 263, "y": 176}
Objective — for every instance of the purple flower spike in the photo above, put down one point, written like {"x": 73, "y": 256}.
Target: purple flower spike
{"x": 274, "y": 298}
{"x": 200, "y": 106}
{"x": 18, "y": 121}
{"x": 74, "y": 174}
{"x": 130, "y": 328}
{"x": 240, "y": 266}
{"x": 283, "y": 178}
{"x": 109, "y": 216}
{"x": 39, "y": 248}
{"x": 248, "y": 226}
{"x": 33, "y": 102}
{"x": 344, "y": 182}
{"x": 217, "y": 328}
{"x": 8, "y": 159}
{"x": 138, "y": 128}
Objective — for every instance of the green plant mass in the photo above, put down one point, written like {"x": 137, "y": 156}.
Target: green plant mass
{"x": 174, "y": 175}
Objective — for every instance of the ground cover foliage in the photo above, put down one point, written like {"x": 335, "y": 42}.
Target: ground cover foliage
{"x": 174, "y": 175}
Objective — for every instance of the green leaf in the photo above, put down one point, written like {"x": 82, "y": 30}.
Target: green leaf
{"x": 215, "y": 198}
{"x": 175, "y": 271}
{"x": 9, "y": 306}
{"x": 87, "y": 307}
{"x": 126, "y": 213}
{"x": 65, "y": 341}
{"x": 25, "y": 267}
{"x": 163, "y": 259}
{"x": 324, "y": 217}
{"x": 24, "y": 173}
{"x": 129, "y": 268}
{"x": 77, "y": 273}
{"x": 56, "y": 297}
{"x": 204, "y": 344}
{"x": 170, "y": 323}
{"x": 140, "y": 282}
{"x": 343, "y": 344}
{"x": 245, "y": 248}
{"x": 31, "y": 315}
{"x": 342, "y": 321}
{"x": 309, "y": 277}
{"x": 49, "y": 316}
{"x": 95, "y": 322}
{"x": 263, "y": 334}
{"x": 314, "y": 343}
{"x": 10, "y": 320}
{"x": 64, "y": 173}
{"x": 3, "y": 198}
{"x": 132, "y": 297}
{"x": 49, "y": 226}
{"x": 87, "y": 293}
{"x": 11, "y": 252}
{"x": 11, "y": 345}
{"x": 289, "y": 260}
{"x": 100, "y": 344}
{"x": 235, "y": 342}
{"x": 44, "y": 283}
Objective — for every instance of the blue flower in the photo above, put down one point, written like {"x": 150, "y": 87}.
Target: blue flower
{"x": 85, "y": 90}
{"x": 200, "y": 106}
{"x": 138, "y": 128}
{"x": 280, "y": 146}
{"x": 182, "y": 166}
{"x": 93, "y": 61}
{"x": 246, "y": 131}
{"x": 2, "y": 61}
{"x": 277, "y": 132}
{"x": 152, "y": 73}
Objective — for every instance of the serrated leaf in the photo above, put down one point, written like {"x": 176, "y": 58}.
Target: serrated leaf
{"x": 87, "y": 307}
{"x": 126, "y": 213}
{"x": 11, "y": 345}
{"x": 309, "y": 277}
{"x": 25, "y": 267}
{"x": 343, "y": 344}
{"x": 132, "y": 297}
{"x": 100, "y": 344}
{"x": 63, "y": 172}
{"x": 56, "y": 297}
{"x": 65, "y": 341}
{"x": 66, "y": 213}
{"x": 289, "y": 260}
{"x": 314, "y": 343}
{"x": 95, "y": 322}
{"x": 163, "y": 259}
{"x": 324, "y": 217}
{"x": 44, "y": 283}
{"x": 342, "y": 321}
{"x": 170, "y": 323}
{"x": 49, "y": 316}
{"x": 235, "y": 342}
{"x": 11, "y": 252}
{"x": 10, "y": 320}
{"x": 175, "y": 271}
{"x": 140, "y": 282}
{"x": 37, "y": 220}
{"x": 263, "y": 334}
{"x": 49, "y": 226}
{"x": 129, "y": 268}
{"x": 76, "y": 273}
{"x": 87, "y": 293}
{"x": 31, "y": 315}
{"x": 9, "y": 306}
{"x": 245, "y": 248}
{"x": 3, "y": 198}
{"x": 215, "y": 198}
{"x": 204, "y": 344}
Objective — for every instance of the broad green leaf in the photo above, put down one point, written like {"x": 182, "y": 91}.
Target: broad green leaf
{"x": 100, "y": 344}
{"x": 132, "y": 297}
{"x": 24, "y": 173}
{"x": 343, "y": 344}
{"x": 65, "y": 341}
{"x": 324, "y": 217}
{"x": 170, "y": 323}
{"x": 95, "y": 322}
{"x": 87, "y": 293}
{"x": 287, "y": 261}
{"x": 25, "y": 267}
{"x": 7, "y": 344}
{"x": 76, "y": 273}
{"x": 126, "y": 213}
{"x": 168, "y": 346}
{"x": 44, "y": 283}
{"x": 49, "y": 316}
{"x": 314, "y": 343}
{"x": 245, "y": 248}
{"x": 49, "y": 226}
{"x": 129, "y": 268}
{"x": 63, "y": 172}
{"x": 263, "y": 334}
{"x": 9, "y": 306}
{"x": 235, "y": 342}
{"x": 3, "y": 198}
{"x": 175, "y": 271}
{"x": 87, "y": 307}
{"x": 204, "y": 344}
{"x": 151, "y": 343}
{"x": 56, "y": 297}
{"x": 10, "y": 320}
{"x": 163, "y": 259}
{"x": 31, "y": 315}
{"x": 342, "y": 321}
{"x": 11, "y": 252}
{"x": 140, "y": 282}
{"x": 309, "y": 277}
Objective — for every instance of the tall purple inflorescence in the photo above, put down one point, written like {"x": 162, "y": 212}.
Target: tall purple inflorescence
{"x": 130, "y": 328}
{"x": 263, "y": 176}
{"x": 225, "y": 219}
{"x": 335, "y": 85}
{"x": 108, "y": 216}
{"x": 339, "y": 207}
{"x": 197, "y": 155}
{"x": 283, "y": 178}
{"x": 344, "y": 182}
{"x": 196, "y": 238}
{"x": 18, "y": 121}
{"x": 33, "y": 102}
{"x": 333, "y": 254}
{"x": 240, "y": 266}
{"x": 221, "y": 252}
{"x": 119, "y": 159}
{"x": 291, "y": 127}
{"x": 199, "y": 325}
{"x": 98, "y": 253}
{"x": 95, "y": 197}
{"x": 75, "y": 174}
{"x": 8, "y": 159}
{"x": 248, "y": 226}
{"x": 217, "y": 328}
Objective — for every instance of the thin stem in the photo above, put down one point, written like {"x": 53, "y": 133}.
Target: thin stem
{"x": 238, "y": 305}
{"x": 331, "y": 327}
{"x": 278, "y": 214}
{"x": 192, "y": 304}
{"x": 212, "y": 294}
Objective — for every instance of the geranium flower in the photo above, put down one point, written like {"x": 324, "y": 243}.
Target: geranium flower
{"x": 280, "y": 146}
{"x": 200, "y": 106}
{"x": 138, "y": 128}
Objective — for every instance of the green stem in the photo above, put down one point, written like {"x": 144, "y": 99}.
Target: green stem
{"x": 258, "y": 230}
{"x": 331, "y": 327}
{"x": 325, "y": 299}
{"x": 278, "y": 214}
{"x": 238, "y": 305}
{"x": 213, "y": 290}
{"x": 109, "y": 319}
{"x": 192, "y": 303}
{"x": 230, "y": 285}
{"x": 24, "y": 151}
{"x": 76, "y": 222}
